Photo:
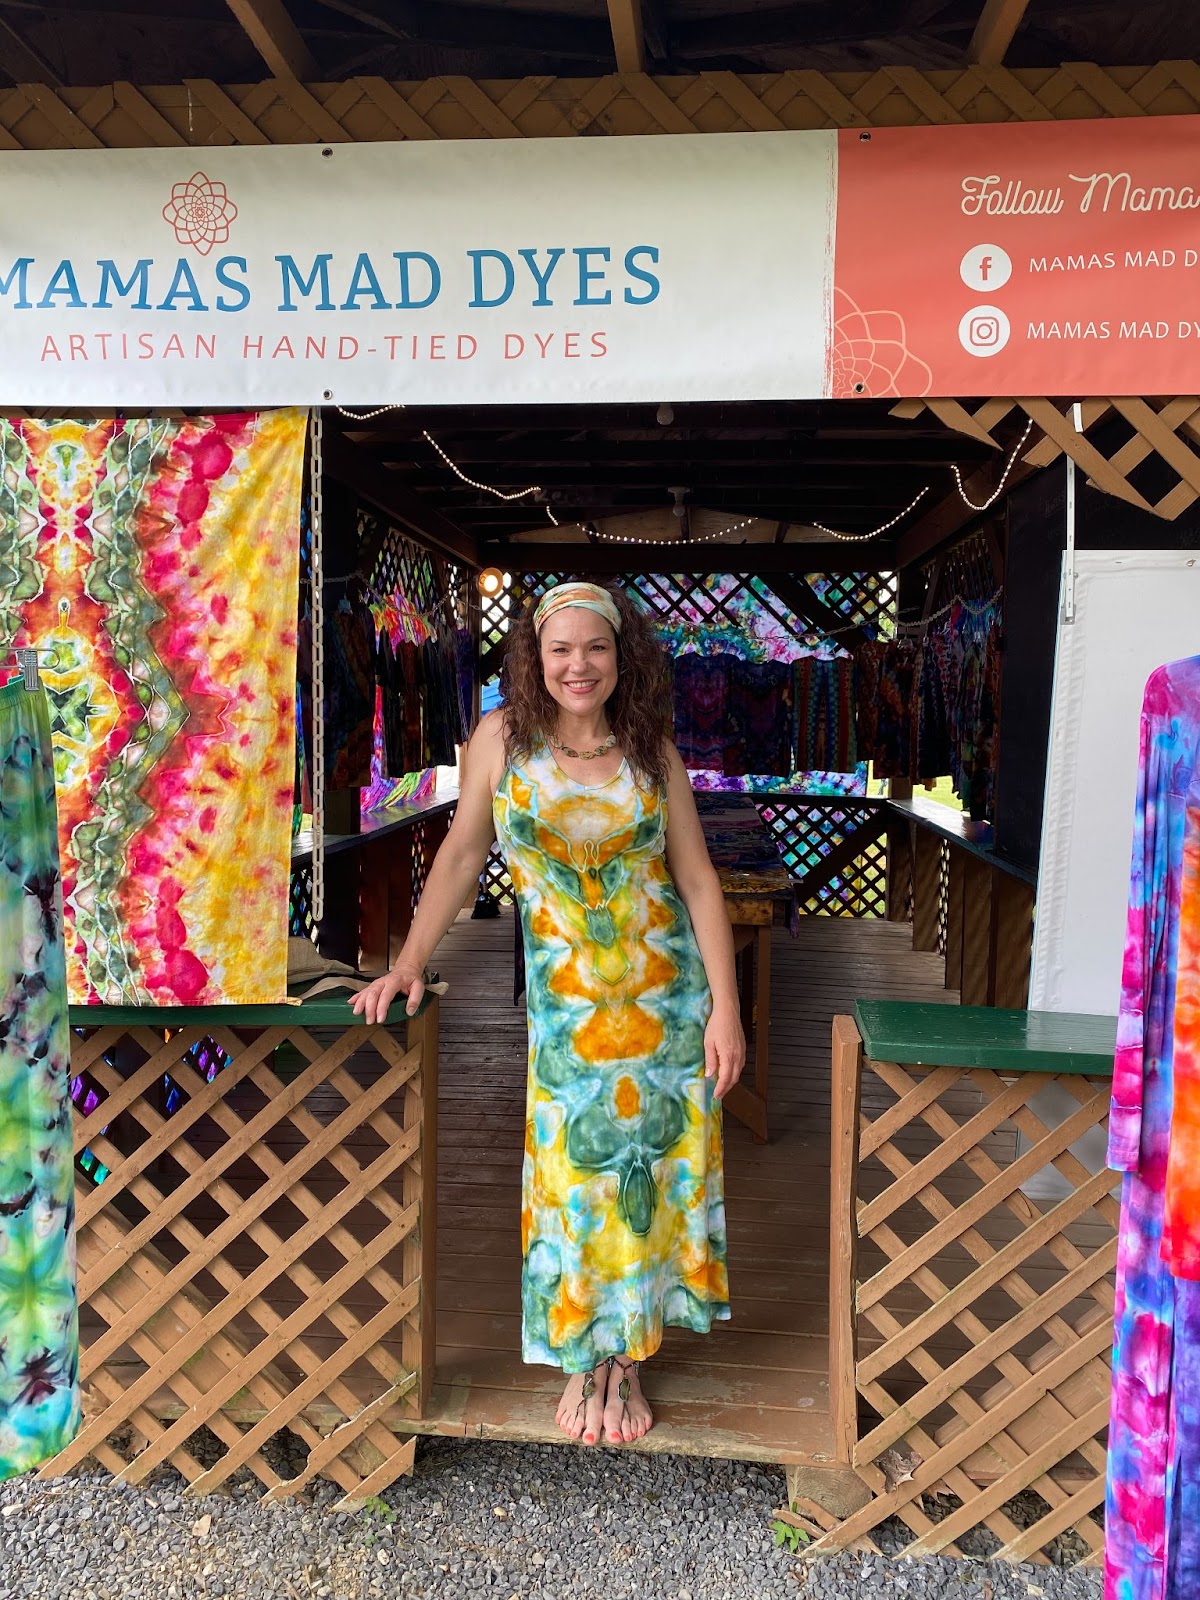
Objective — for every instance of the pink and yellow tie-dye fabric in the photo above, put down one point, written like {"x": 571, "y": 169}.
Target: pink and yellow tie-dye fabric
{"x": 160, "y": 560}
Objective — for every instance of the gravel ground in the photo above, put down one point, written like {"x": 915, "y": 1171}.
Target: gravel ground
{"x": 497, "y": 1519}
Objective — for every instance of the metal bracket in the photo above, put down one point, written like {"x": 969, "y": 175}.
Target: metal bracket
{"x": 1069, "y": 557}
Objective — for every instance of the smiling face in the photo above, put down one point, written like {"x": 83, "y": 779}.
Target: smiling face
{"x": 579, "y": 659}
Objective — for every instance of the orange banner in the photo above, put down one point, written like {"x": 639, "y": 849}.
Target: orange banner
{"x": 1018, "y": 258}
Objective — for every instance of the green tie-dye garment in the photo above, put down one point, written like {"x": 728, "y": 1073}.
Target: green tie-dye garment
{"x": 623, "y": 1213}
{"x": 39, "y": 1322}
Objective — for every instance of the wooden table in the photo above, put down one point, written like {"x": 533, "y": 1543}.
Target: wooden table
{"x": 758, "y": 892}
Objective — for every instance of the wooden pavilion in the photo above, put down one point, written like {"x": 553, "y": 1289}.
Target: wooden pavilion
{"x": 915, "y": 1325}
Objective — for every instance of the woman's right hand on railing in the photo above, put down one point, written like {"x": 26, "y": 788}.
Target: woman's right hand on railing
{"x": 374, "y": 1002}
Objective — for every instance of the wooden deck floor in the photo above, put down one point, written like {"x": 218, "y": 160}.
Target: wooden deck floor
{"x": 756, "y": 1388}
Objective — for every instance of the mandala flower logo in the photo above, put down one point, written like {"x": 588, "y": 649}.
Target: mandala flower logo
{"x": 200, "y": 212}
{"x": 871, "y": 355}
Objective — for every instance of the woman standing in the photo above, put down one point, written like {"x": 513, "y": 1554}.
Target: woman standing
{"x": 634, "y": 1026}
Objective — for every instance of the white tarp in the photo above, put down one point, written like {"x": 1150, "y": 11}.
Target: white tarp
{"x": 1134, "y": 610}
{"x": 689, "y": 268}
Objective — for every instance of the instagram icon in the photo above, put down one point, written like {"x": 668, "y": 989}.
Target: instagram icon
{"x": 983, "y": 331}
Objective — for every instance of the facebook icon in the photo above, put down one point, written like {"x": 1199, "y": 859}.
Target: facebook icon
{"x": 984, "y": 267}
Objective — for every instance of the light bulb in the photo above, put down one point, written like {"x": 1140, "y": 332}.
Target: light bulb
{"x": 665, "y": 415}
{"x": 490, "y": 581}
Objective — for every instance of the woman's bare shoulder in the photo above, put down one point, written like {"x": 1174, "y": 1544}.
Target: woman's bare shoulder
{"x": 489, "y": 733}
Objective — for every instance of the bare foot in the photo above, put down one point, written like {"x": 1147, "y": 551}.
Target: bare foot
{"x": 581, "y": 1409}
{"x": 626, "y": 1414}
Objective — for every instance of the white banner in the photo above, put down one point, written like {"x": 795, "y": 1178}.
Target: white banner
{"x": 690, "y": 268}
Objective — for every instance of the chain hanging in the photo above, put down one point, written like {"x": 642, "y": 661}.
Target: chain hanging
{"x": 316, "y": 513}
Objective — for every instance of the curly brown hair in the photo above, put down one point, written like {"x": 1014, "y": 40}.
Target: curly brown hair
{"x": 639, "y": 708}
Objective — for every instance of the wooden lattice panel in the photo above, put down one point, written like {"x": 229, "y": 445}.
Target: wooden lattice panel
{"x": 1119, "y": 437}
{"x": 495, "y": 881}
{"x": 201, "y": 112}
{"x": 835, "y": 849}
{"x": 980, "y": 1328}
{"x": 251, "y": 1258}
{"x": 301, "y": 922}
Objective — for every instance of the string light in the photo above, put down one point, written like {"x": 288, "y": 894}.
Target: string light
{"x": 734, "y": 527}
{"x": 861, "y": 538}
{"x": 999, "y": 490}
{"x": 369, "y": 416}
{"x": 485, "y": 488}
{"x": 674, "y": 544}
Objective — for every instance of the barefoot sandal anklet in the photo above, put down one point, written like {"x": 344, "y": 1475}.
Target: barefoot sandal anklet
{"x": 624, "y": 1388}
{"x": 587, "y": 1393}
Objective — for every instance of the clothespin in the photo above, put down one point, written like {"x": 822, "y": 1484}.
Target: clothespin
{"x": 27, "y": 661}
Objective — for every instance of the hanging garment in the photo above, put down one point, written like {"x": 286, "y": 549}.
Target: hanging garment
{"x": 159, "y": 557}
{"x": 1181, "y": 1227}
{"x": 443, "y": 718}
{"x": 933, "y": 724}
{"x": 412, "y": 692}
{"x": 701, "y": 685}
{"x": 623, "y": 1217}
{"x": 825, "y": 695}
{"x": 1152, "y": 1531}
{"x": 893, "y": 755}
{"x": 868, "y": 665}
{"x": 400, "y": 754}
{"x": 40, "y": 1409}
{"x": 349, "y": 692}
{"x": 467, "y": 658}
{"x": 759, "y": 716}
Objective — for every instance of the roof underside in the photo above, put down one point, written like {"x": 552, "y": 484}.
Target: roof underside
{"x": 89, "y": 42}
{"x": 745, "y": 473}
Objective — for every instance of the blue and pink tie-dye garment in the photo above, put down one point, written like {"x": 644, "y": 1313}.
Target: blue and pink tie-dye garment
{"x": 1152, "y": 1512}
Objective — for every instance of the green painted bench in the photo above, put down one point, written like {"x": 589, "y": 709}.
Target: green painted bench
{"x": 917, "y": 1034}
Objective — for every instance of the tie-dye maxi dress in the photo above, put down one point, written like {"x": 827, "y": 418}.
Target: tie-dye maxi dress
{"x": 1152, "y": 1512}
{"x": 623, "y": 1216}
{"x": 39, "y": 1324}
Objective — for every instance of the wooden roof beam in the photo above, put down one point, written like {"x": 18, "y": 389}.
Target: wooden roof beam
{"x": 349, "y": 464}
{"x": 429, "y": 22}
{"x": 994, "y": 31}
{"x": 629, "y": 40}
{"x": 612, "y": 559}
{"x": 276, "y": 38}
{"x": 21, "y": 62}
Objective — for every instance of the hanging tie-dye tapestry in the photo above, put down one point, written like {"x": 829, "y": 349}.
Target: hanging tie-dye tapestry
{"x": 39, "y": 1316}
{"x": 158, "y": 559}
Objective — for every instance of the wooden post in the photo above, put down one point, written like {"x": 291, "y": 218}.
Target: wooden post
{"x": 977, "y": 877}
{"x": 420, "y": 1186}
{"x": 843, "y": 1236}
{"x": 954, "y": 919}
{"x": 399, "y": 891}
{"x": 1012, "y": 942}
{"x": 374, "y": 907}
{"x": 899, "y": 870}
{"x": 927, "y": 872}
{"x": 762, "y": 1010}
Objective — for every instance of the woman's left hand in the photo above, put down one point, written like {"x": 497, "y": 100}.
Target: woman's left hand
{"x": 724, "y": 1049}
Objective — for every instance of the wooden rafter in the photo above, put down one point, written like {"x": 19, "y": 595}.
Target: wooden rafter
{"x": 21, "y": 62}
{"x": 276, "y": 38}
{"x": 610, "y": 560}
{"x": 350, "y": 464}
{"x": 994, "y": 31}
{"x": 625, "y": 17}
